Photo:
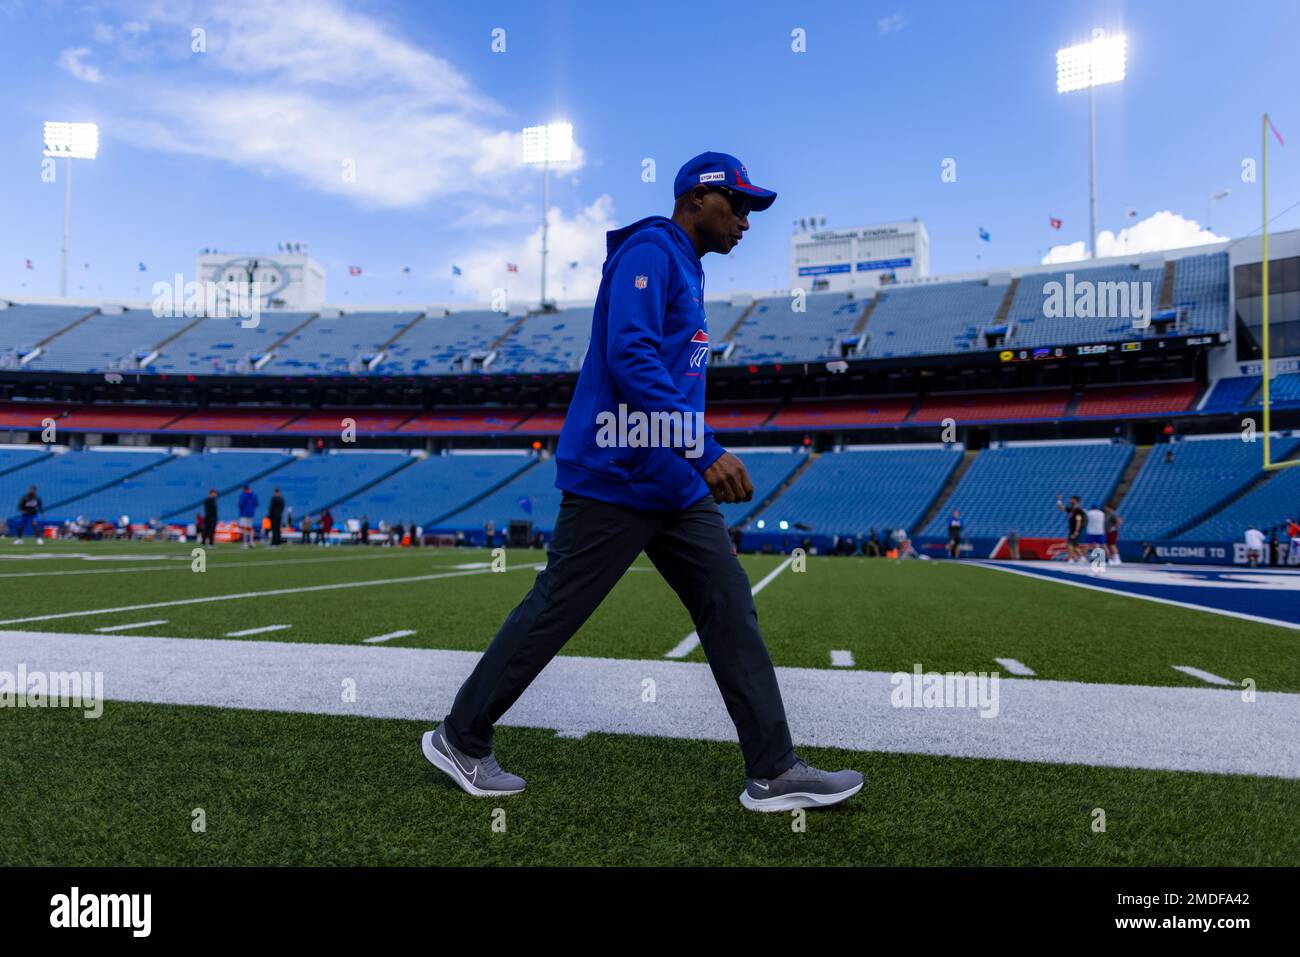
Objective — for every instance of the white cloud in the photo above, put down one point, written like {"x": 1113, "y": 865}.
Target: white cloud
{"x": 299, "y": 92}
{"x": 580, "y": 239}
{"x": 103, "y": 33}
{"x": 892, "y": 23}
{"x": 1163, "y": 230}
{"x": 70, "y": 60}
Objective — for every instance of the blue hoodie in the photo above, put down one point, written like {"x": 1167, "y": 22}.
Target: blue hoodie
{"x": 649, "y": 352}
{"x": 247, "y": 504}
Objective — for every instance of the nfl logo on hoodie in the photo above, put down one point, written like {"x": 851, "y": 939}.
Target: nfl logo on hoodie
{"x": 641, "y": 282}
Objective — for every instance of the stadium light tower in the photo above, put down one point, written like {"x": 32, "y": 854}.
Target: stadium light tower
{"x": 1085, "y": 66}
{"x": 548, "y": 144}
{"x": 71, "y": 141}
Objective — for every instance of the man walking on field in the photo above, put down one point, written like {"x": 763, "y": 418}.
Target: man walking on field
{"x": 649, "y": 355}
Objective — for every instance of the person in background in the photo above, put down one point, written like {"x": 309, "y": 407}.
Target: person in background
{"x": 1013, "y": 545}
{"x": 29, "y": 507}
{"x": 1254, "y": 546}
{"x": 1293, "y": 537}
{"x": 247, "y": 509}
{"x": 276, "y": 514}
{"x": 210, "y": 518}
{"x": 326, "y": 526}
{"x": 491, "y": 530}
{"x": 1076, "y": 520}
{"x": 1113, "y": 522}
{"x": 954, "y": 534}
{"x": 1095, "y": 533}
{"x": 872, "y": 547}
{"x": 363, "y": 534}
{"x": 305, "y": 530}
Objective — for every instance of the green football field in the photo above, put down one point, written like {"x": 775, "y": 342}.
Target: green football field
{"x": 296, "y": 787}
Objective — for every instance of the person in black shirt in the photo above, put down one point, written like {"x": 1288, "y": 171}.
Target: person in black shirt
{"x": 210, "y": 518}
{"x": 954, "y": 534}
{"x": 1077, "y": 520}
{"x": 29, "y": 506}
{"x": 276, "y": 514}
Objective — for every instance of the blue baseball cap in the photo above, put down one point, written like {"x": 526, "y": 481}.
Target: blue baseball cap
{"x": 721, "y": 169}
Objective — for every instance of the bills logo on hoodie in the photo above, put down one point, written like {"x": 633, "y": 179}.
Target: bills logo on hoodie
{"x": 701, "y": 354}
{"x": 641, "y": 282}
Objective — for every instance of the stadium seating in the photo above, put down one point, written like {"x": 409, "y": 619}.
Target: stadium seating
{"x": 456, "y": 421}
{"x": 1266, "y": 506}
{"x": 1229, "y": 395}
{"x": 851, "y": 492}
{"x": 1204, "y": 471}
{"x": 546, "y": 422}
{"x": 1283, "y": 391}
{"x": 236, "y": 421}
{"x": 216, "y": 346}
{"x": 433, "y": 487}
{"x": 312, "y": 482}
{"x": 13, "y": 459}
{"x": 938, "y": 319}
{"x": 738, "y": 416}
{"x": 23, "y": 326}
{"x": 1128, "y": 400}
{"x": 993, "y": 407}
{"x": 435, "y": 344}
{"x": 530, "y": 496}
{"x": 1201, "y": 292}
{"x": 767, "y": 470}
{"x": 1031, "y": 328}
{"x": 546, "y": 342}
{"x": 1015, "y": 486}
{"x": 340, "y": 345}
{"x": 178, "y": 487}
{"x": 842, "y": 413}
{"x": 774, "y": 332}
{"x": 30, "y": 415}
{"x": 109, "y": 342}
{"x": 119, "y": 418}
{"x": 365, "y": 421}
{"x": 62, "y": 479}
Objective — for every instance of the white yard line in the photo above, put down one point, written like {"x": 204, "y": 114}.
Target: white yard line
{"x": 1128, "y": 594}
{"x": 1206, "y": 676}
{"x": 253, "y": 594}
{"x": 181, "y": 563}
{"x": 256, "y": 631}
{"x": 138, "y": 624}
{"x": 1206, "y": 730}
{"x": 388, "y": 637}
{"x": 1016, "y": 667}
{"x": 842, "y": 659}
{"x": 689, "y": 643}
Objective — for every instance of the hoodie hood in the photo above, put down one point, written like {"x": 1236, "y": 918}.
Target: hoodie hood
{"x": 616, "y": 238}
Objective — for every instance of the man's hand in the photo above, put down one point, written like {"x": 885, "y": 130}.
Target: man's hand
{"x": 728, "y": 480}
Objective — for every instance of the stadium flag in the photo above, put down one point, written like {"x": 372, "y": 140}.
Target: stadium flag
{"x": 455, "y": 270}
{"x": 29, "y": 264}
{"x": 1054, "y": 222}
{"x": 1131, "y": 213}
{"x": 526, "y": 504}
{"x": 984, "y": 234}
{"x": 1280, "y": 141}
{"x": 512, "y": 267}
{"x": 354, "y": 270}
{"x": 406, "y": 269}
{"x": 141, "y": 267}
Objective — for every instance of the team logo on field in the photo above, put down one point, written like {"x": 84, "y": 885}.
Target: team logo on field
{"x": 641, "y": 282}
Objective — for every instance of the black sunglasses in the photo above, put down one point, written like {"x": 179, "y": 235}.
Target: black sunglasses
{"x": 741, "y": 204}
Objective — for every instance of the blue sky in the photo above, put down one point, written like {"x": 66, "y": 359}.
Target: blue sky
{"x": 241, "y": 146}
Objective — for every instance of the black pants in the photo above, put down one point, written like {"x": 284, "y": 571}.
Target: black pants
{"x": 275, "y": 530}
{"x": 209, "y": 532}
{"x": 593, "y": 545}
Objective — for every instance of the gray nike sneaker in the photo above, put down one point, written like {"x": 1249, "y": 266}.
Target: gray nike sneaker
{"x": 800, "y": 785}
{"x": 481, "y": 777}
